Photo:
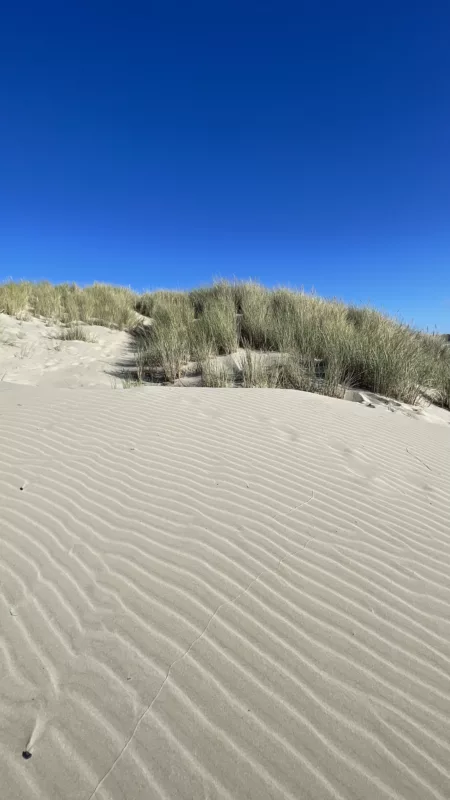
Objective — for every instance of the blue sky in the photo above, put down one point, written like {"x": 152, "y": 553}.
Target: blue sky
{"x": 166, "y": 143}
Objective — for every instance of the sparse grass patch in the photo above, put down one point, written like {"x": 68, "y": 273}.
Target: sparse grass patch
{"x": 26, "y": 349}
{"x": 216, "y": 374}
{"x": 130, "y": 382}
{"x": 75, "y": 332}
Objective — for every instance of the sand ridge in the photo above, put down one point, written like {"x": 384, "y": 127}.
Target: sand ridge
{"x": 222, "y": 594}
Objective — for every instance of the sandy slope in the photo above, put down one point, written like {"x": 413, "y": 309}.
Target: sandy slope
{"x": 31, "y": 354}
{"x": 222, "y": 594}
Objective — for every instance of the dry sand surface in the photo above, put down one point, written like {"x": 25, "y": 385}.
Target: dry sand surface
{"x": 222, "y": 594}
{"x": 31, "y": 354}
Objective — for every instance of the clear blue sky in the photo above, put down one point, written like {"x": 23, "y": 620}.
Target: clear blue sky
{"x": 165, "y": 143}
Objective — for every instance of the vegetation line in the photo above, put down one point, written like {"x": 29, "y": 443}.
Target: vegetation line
{"x": 278, "y": 337}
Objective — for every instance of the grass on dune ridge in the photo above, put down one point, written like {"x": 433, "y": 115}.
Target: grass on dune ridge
{"x": 323, "y": 344}
{"x": 99, "y": 304}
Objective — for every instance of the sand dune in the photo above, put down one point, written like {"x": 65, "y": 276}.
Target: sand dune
{"x": 32, "y": 354}
{"x": 222, "y": 594}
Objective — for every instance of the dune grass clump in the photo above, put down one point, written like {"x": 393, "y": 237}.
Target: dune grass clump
{"x": 444, "y": 390}
{"x": 112, "y": 306}
{"x": 165, "y": 345}
{"x": 313, "y": 375}
{"x": 99, "y": 304}
{"x": 222, "y": 291}
{"x": 388, "y": 357}
{"x": 45, "y": 300}
{"x": 216, "y": 327}
{"x": 256, "y": 372}
{"x": 440, "y": 357}
{"x": 147, "y": 303}
{"x": 255, "y": 321}
{"x": 14, "y": 297}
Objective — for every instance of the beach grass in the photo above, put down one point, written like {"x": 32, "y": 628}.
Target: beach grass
{"x": 75, "y": 332}
{"x": 325, "y": 344}
{"x": 99, "y": 304}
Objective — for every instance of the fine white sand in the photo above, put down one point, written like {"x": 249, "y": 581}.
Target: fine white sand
{"x": 31, "y": 354}
{"x": 222, "y": 594}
